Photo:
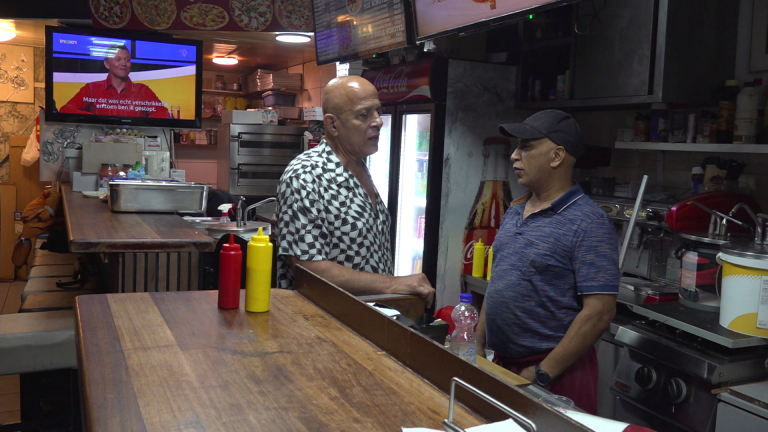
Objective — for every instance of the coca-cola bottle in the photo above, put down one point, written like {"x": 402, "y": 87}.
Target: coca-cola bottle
{"x": 492, "y": 199}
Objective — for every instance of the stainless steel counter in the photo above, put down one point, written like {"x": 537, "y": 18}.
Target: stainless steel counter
{"x": 699, "y": 323}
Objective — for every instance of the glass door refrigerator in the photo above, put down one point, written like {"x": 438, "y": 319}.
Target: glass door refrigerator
{"x": 407, "y": 171}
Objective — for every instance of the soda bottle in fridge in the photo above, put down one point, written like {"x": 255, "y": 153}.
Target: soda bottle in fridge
{"x": 492, "y": 199}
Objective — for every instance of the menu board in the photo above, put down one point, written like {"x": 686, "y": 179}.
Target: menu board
{"x": 352, "y": 29}
{"x": 437, "y": 17}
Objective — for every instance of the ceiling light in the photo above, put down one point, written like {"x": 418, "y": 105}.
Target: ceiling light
{"x": 7, "y": 30}
{"x": 293, "y": 37}
{"x": 225, "y": 60}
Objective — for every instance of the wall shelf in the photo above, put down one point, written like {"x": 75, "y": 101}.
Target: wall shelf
{"x": 694, "y": 147}
{"x": 227, "y": 92}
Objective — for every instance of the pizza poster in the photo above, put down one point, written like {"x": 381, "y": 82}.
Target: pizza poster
{"x": 222, "y": 15}
{"x": 351, "y": 29}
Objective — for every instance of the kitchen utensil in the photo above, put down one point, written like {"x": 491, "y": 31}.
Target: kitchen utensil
{"x": 155, "y": 196}
{"x": 632, "y": 221}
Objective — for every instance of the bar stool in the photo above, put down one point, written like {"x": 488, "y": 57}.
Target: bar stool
{"x": 51, "y": 271}
{"x": 50, "y": 301}
{"x": 48, "y": 285}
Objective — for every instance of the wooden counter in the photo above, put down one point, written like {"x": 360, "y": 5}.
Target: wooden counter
{"x": 92, "y": 227}
{"x": 173, "y": 361}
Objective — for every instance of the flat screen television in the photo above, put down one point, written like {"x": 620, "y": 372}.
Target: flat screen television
{"x": 122, "y": 78}
{"x": 443, "y": 17}
{"x": 347, "y": 30}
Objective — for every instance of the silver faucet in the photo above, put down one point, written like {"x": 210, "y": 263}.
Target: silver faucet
{"x": 239, "y": 212}
{"x": 759, "y": 228}
{"x": 718, "y": 223}
{"x": 253, "y": 206}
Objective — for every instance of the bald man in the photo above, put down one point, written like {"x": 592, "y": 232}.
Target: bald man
{"x": 331, "y": 219}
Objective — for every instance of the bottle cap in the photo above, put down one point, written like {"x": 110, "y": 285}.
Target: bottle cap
{"x": 231, "y": 246}
{"x": 260, "y": 237}
{"x": 480, "y": 243}
{"x": 466, "y": 298}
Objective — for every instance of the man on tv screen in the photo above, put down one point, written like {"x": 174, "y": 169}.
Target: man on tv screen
{"x": 117, "y": 95}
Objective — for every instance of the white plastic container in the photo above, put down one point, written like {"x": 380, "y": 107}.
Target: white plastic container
{"x": 745, "y": 125}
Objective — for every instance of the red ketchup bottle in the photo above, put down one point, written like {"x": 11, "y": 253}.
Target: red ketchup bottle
{"x": 230, "y": 266}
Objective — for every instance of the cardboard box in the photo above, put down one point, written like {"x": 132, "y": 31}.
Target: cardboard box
{"x": 27, "y": 179}
{"x": 313, "y": 113}
{"x": 250, "y": 117}
{"x": 7, "y": 230}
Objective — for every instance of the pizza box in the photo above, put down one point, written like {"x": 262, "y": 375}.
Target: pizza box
{"x": 258, "y": 116}
{"x": 313, "y": 113}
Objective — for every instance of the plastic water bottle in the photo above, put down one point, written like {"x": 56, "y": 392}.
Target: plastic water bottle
{"x": 463, "y": 341}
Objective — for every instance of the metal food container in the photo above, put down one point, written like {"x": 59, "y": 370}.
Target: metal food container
{"x": 153, "y": 196}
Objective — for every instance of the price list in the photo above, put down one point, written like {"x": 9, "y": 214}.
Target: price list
{"x": 351, "y": 29}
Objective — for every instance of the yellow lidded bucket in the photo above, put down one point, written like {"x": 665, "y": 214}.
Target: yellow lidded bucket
{"x": 745, "y": 273}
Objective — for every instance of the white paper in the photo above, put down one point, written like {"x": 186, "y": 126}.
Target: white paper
{"x": 502, "y": 426}
{"x": 598, "y": 424}
{"x": 762, "y": 306}
{"x": 386, "y": 311}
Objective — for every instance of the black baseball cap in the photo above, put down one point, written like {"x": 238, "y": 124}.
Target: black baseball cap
{"x": 556, "y": 125}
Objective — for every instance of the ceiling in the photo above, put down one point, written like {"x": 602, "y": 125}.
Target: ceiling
{"x": 255, "y": 50}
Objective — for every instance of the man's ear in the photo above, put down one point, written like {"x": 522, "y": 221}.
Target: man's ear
{"x": 330, "y": 125}
{"x": 105, "y": 64}
{"x": 558, "y": 156}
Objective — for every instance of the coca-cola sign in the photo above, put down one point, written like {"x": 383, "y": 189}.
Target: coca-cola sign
{"x": 402, "y": 83}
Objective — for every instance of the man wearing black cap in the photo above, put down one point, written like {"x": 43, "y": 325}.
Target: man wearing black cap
{"x": 555, "y": 269}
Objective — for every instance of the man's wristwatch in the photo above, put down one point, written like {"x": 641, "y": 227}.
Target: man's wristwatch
{"x": 542, "y": 377}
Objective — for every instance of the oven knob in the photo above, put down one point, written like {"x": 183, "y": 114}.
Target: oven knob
{"x": 674, "y": 391}
{"x": 645, "y": 377}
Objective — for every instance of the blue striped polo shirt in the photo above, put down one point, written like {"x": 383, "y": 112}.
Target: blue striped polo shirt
{"x": 541, "y": 267}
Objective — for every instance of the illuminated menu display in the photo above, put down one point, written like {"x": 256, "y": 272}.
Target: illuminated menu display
{"x": 352, "y": 29}
{"x": 437, "y": 17}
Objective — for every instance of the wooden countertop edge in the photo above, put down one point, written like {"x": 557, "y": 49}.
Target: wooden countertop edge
{"x": 136, "y": 245}
{"x": 426, "y": 358}
{"x": 510, "y": 378}
{"x": 140, "y": 246}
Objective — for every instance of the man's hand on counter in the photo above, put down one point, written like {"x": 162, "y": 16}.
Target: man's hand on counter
{"x": 363, "y": 283}
{"x": 416, "y": 284}
{"x": 529, "y": 373}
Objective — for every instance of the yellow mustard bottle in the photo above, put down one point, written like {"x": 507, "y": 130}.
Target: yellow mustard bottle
{"x": 490, "y": 261}
{"x": 258, "y": 273}
{"x": 478, "y": 259}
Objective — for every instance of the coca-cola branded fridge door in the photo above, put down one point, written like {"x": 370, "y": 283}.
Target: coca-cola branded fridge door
{"x": 412, "y": 193}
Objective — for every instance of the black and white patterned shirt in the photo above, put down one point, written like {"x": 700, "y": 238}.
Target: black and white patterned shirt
{"x": 323, "y": 213}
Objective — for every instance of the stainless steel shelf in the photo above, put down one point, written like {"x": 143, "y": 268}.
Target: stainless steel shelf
{"x": 475, "y": 285}
{"x": 693, "y": 147}
{"x": 699, "y": 323}
{"x": 228, "y": 92}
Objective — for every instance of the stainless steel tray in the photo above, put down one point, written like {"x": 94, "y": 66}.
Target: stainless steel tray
{"x": 152, "y": 196}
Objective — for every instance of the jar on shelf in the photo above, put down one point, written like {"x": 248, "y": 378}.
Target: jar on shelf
{"x": 659, "y": 123}
{"x": 218, "y": 83}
